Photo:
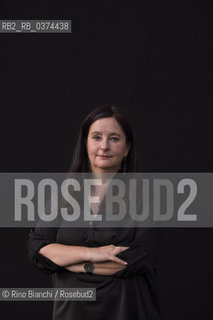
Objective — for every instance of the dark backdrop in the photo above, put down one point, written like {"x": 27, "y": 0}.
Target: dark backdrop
{"x": 153, "y": 59}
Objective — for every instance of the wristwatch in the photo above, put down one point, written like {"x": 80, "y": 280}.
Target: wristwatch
{"x": 89, "y": 267}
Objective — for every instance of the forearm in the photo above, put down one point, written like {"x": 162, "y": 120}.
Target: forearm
{"x": 107, "y": 268}
{"x": 65, "y": 255}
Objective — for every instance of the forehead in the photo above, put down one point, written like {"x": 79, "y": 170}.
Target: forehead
{"x": 106, "y": 125}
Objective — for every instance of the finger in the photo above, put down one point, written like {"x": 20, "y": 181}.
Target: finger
{"x": 120, "y": 249}
{"x": 124, "y": 248}
{"x": 115, "y": 259}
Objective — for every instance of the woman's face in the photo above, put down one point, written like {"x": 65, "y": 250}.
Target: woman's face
{"x": 106, "y": 145}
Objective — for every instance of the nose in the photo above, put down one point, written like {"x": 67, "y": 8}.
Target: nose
{"x": 104, "y": 145}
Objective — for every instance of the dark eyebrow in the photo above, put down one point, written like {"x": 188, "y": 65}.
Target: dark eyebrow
{"x": 95, "y": 132}
{"x": 111, "y": 134}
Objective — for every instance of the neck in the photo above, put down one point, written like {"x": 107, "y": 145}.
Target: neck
{"x": 104, "y": 176}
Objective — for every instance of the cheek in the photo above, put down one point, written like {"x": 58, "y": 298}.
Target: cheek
{"x": 120, "y": 150}
{"x": 91, "y": 149}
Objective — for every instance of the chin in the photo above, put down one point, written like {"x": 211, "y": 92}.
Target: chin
{"x": 105, "y": 168}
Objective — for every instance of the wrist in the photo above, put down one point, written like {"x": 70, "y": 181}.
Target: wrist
{"x": 88, "y": 256}
{"x": 89, "y": 267}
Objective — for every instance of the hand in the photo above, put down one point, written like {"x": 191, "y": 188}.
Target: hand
{"x": 107, "y": 253}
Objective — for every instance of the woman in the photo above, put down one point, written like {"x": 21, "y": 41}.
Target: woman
{"x": 120, "y": 263}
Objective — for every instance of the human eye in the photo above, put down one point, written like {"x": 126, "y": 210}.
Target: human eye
{"x": 114, "y": 139}
{"x": 96, "y": 138}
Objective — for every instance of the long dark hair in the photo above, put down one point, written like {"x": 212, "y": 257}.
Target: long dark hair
{"x": 80, "y": 161}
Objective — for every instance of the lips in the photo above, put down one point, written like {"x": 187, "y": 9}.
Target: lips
{"x": 104, "y": 157}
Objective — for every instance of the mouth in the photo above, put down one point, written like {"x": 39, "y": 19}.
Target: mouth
{"x": 104, "y": 157}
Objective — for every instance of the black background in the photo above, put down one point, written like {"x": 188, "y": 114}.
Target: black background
{"x": 153, "y": 59}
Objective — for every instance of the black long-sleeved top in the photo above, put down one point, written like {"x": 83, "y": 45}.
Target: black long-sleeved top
{"x": 130, "y": 293}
